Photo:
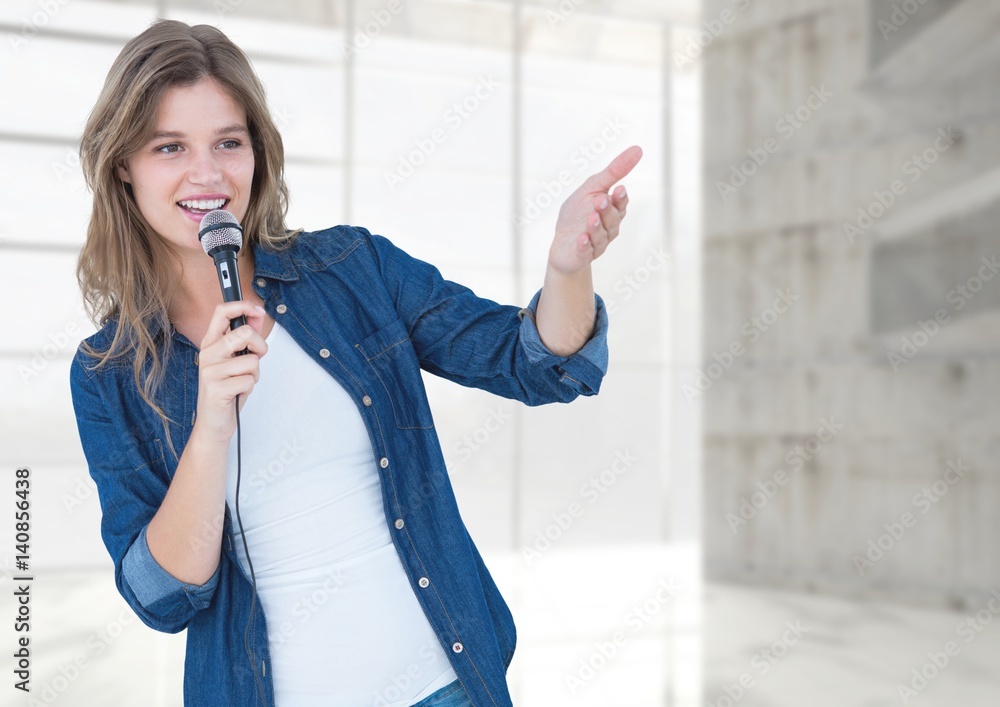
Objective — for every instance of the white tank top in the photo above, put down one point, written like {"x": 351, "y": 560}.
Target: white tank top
{"x": 343, "y": 623}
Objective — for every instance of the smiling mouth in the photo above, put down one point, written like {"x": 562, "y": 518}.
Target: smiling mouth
{"x": 202, "y": 207}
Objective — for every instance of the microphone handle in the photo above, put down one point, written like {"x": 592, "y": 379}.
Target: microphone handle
{"x": 229, "y": 280}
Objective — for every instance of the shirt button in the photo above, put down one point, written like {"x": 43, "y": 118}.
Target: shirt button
{"x": 324, "y": 353}
{"x": 366, "y": 400}
{"x": 261, "y": 282}
{"x": 196, "y": 358}
{"x": 423, "y": 581}
{"x": 263, "y": 668}
{"x": 281, "y": 309}
{"x": 383, "y": 462}
{"x": 456, "y": 647}
{"x": 399, "y": 524}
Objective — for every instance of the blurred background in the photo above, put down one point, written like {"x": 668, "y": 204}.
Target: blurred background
{"x": 785, "y": 493}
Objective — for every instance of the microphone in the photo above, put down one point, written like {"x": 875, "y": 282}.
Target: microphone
{"x": 222, "y": 237}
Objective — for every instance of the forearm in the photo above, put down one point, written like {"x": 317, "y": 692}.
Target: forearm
{"x": 565, "y": 313}
{"x": 185, "y": 534}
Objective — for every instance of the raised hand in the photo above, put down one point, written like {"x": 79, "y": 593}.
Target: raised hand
{"x": 591, "y": 217}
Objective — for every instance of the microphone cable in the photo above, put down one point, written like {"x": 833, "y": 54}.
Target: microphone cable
{"x": 246, "y": 550}
{"x": 221, "y": 237}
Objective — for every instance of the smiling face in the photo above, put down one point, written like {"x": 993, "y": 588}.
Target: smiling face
{"x": 199, "y": 159}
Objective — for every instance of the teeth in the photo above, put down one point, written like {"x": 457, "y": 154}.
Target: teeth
{"x": 203, "y": 205}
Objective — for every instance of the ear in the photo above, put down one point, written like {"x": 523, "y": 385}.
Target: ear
{"x": 123, "y": 172}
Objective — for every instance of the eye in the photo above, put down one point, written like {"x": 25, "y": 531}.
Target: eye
{"x": 172, "y": 147}
{"x": 231, "y": 144}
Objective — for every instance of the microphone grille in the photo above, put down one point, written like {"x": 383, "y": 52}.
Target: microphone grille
{"x": 219, "y": 228}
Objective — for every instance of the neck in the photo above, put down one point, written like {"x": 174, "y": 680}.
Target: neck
{"x": 198, "y": 293}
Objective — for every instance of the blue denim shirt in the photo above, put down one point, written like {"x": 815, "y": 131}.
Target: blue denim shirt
{"x": 372, "y": 316}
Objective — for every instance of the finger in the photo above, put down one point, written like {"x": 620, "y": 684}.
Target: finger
{"x": 597, "y": 233}
{"x": 238, "y": 339}
{"x": 609, "y": 212}
{"x": 232, "y": 366}
{"x": 595, "y": 225}
{"x": 218, "y": 326}
{"x": 256, "y": 319}
{"x": 610, "y": 217}
{"x": 616, "y": 171}
{"x": 232, "y": 386}
{"x": 609, "y": 209}
{"x": 226, "y": 346}
{"x": 620, "y": 198}
{"x": 245, "y": 337}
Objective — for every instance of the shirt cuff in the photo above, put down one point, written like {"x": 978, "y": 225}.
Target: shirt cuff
{"x": 582, "y": 370}
{"x": 151, "y": 583}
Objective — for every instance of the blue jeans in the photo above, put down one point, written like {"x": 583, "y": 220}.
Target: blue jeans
{"x": 451, "y": 695}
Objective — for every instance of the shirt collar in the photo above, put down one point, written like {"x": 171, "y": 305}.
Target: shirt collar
{"x": 275, "y": 264}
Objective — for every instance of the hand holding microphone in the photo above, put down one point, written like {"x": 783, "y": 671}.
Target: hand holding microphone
{"x": 223, "y": 371}
{"x": 222, "y": 237}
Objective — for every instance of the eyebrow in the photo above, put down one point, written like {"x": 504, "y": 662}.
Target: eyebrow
{"x": 235, "y": 128}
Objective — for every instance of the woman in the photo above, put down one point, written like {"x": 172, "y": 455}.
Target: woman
{"x": 349, "y": 577}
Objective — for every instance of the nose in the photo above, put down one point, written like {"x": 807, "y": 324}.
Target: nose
{"x": 205, "y": 168}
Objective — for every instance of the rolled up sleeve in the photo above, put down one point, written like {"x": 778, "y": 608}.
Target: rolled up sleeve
{"x": 152, "y": 584}
{"x": 132, "y": 480}
{"x": 583, "y": 370}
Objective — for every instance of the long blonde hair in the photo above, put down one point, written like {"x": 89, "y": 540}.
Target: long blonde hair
{"x": 124, "y": 270}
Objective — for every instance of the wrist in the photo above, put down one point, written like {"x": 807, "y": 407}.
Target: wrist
{"x": 206, "y": 439}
